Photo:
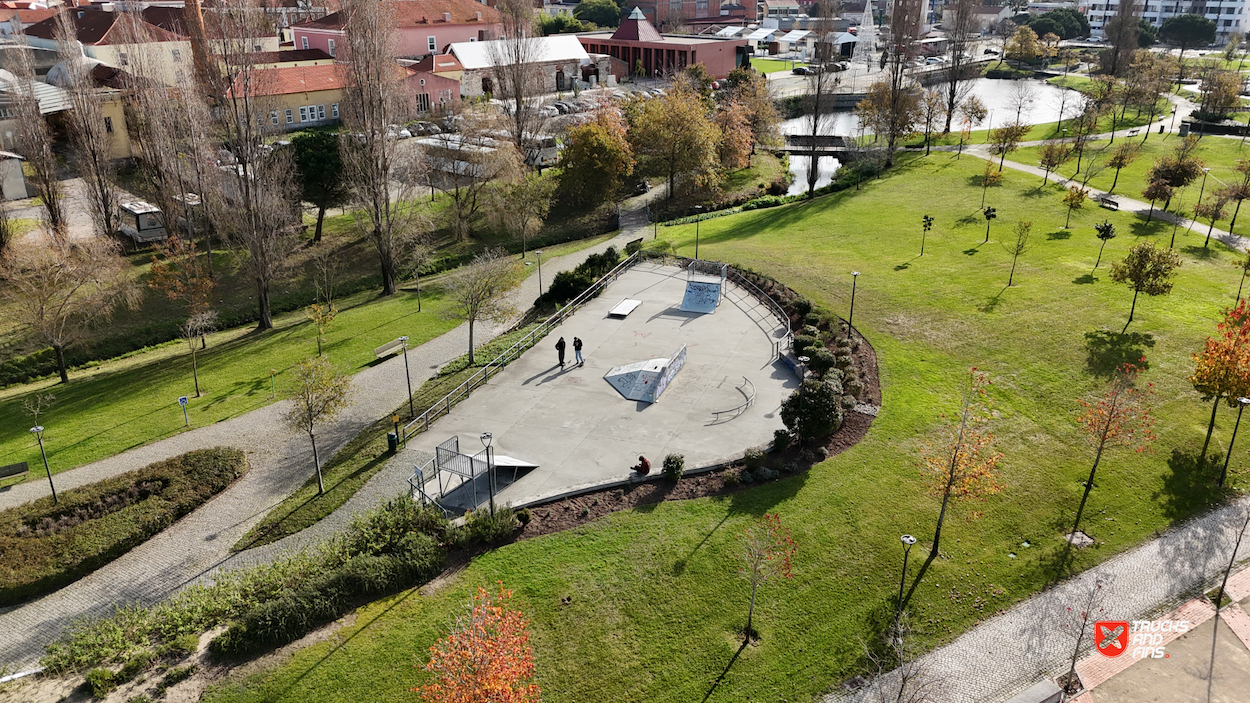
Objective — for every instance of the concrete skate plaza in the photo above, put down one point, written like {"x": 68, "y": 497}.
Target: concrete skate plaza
{"x": 580, "y": 431}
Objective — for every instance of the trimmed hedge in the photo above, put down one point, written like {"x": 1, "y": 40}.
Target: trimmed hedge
{"x": 570, "y": 284}
{"x": 44, "y": 546}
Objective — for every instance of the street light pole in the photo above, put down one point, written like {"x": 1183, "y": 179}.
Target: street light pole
{"x": 486, "y": 438}
{"x": 928, "y": 224}
{"x": 1203, "y": 189}
{"x": 907, "y": 541}
{"x": 539, "y": 254}
{"x": 1241, "y": 406}
{"x": 407, "y": 375}
{"x": 37, "y": 430}
{"x": 698, "y": 215}
{"x": 850, "y": 319}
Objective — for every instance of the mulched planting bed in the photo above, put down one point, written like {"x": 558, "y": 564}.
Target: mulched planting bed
{"x": 46, "y": 545}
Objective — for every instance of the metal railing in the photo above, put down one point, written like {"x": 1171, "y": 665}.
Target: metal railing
{"x": 444, "y": 404}
{"x": 738, "y": 409}
{"x": 421, "y": 475}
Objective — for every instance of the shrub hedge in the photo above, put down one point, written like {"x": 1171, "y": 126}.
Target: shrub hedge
{"x": 570, "y": 284}
{"x": 46, "y": 545}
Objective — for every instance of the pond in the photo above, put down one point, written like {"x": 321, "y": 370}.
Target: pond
{"x": 999, "y": 96}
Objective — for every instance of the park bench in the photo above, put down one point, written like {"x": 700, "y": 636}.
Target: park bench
{"x": 391, "y": 347}
{"x": 1108, "y": 202}
{"x": 13, "y": 470}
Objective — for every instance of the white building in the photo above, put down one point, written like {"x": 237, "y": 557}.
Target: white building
{"x": 1229, "y": 15}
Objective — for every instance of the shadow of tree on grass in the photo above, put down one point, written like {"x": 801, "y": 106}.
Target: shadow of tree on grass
{"x": 1189, "y": 486}
{"x": 1107, "y": 350}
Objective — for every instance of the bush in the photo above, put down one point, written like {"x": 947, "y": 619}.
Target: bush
{"x": 570, "y": 284}
{"x": 820, "y": 361}
{"x": 633, "y": 248}
{"x": 764, "y": 473}
{"x": 802, "y": 306}
{"x": 746, "y": 476}
{"x": 733, "y": 478}
{"x": 753, "y": 458}
{"x": 101, "y": 682}
{"x": 803, "y": 342}
{"x": 524, "y": 516}
{"x": 781, "y": 440}
{"x": 813, "y": 411}
{"x": 46, "y": 545}
{"x": 481, "y": 526}
{"x": 811, "y": 330}
{"x": 812, "y": 319}
{"x": 853, "y": 386}
{"x": 673, "y": 466}
{"x": 844, "y": 361}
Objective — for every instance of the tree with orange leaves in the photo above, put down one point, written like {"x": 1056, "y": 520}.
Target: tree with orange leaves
{"x": 486, "y": 658}
{"x": 963, "y": 465}
{"x": 1222, "y": 370}
{"x": 767, "y": 550}
{"x": 1120, "y": 418}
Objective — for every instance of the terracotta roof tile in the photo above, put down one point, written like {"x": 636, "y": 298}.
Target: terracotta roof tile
{"x": 421, "y": 13}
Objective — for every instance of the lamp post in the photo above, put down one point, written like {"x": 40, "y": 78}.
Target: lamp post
{"x": 37, "y": 430}
{"x": 698, "y": 215}
{"x": 802, "y": 418}
{"x": 850, "y": 319}
{"x": 907, "y": 541}
{"x": 1203, "y": 189}
{"x": 928, "y": 225}
{"x": 486, "y": 438}
{"x": 990, "y": 214}
{"x": 407, "y": 375}
{"x": 1241, "y": 406}
{"x": 539, "y": 254}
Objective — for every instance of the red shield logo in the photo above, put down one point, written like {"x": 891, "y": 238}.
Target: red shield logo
{"x": 1111, "y": 637}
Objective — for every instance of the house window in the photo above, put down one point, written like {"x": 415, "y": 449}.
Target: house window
{"x": 431, "y": 44}
{"x": 273, "y": 117}
{"x": 303, "y": 114}
{"x": 444, "y": 96}
{"x": 177, "y": 55}
{"x": 303, "y": 42}
{"x": 108, "y": 125}
{"x": 334, "y": 110}
{"x": 123, "y": 58}
{"x": 321, "y": 112}
{"x": 256, "y": 47}
{"x": 332, "y": 48}
{"x": 290, "y": 116}
{"x": 423, "y": 102}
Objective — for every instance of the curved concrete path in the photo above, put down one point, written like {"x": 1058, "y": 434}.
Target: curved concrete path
{"x": 281, "y": 462}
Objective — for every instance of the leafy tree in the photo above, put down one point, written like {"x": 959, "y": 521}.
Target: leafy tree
{"x": 677, "y": 137}
{"x": 814, "y": 410}
{"x": 1023, "y": 46}
{"x": 1222, "y": 369}
{"x": 595, "y": 161}
{"x": 61, "y": 291}
{"x": 1220, "y": 91}
{"x": 1105, "y": 232}
{"x": 767, "y": 550}
{"x": 1186, "y": 32}
{"x": 1213, "y": 209}
{"x": 1243, "y": 263}
{"x": 973, "y": 111}
{"x": 564, "y": 23}
{"x": 1121, "y": 32}
{"x": 1231, "y": 48}
{"x": 932, "y": 111}
{"x": 1023, "y": 231}
{"x": 1065, "y": 22}
{"x": 320, "y": 394}
{"x": 1120, "y": 418}
{"x": 1147, "y": 269}
{"x": 750, "y": 89}
{"x": 603, "y": 13}
{"x": 737, "y": 140}
{"x": 476, "y": 291}
{"x": 1054, "y": 153}
{"x": 521, "y": 207}
{"x": 1234, "y": 191}
{"x": 182, "y": 274}
{"x": 1157, "y": 190}
{"x": 486, "y": 658}
{"x": 1075, "y": 200}
{"x": 1006, "y": 139}
{"x": 1147, "y": 35}
{"x": 990, "y": 176}
{"x": 1124, "y": 155}
{"x": 193, "y": 330}
{"x": 319, "y": 169}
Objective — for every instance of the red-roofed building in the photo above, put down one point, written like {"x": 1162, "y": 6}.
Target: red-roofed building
{"x": 12, "y": 20}
{"x": 637, "y": 41}
{"x": 424, "y": 27}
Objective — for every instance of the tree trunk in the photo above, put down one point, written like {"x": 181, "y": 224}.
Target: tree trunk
{"x": 1115, "y": 180}
{"x": 262, "y": 300}
{"x": 387, "y": 257}
{"x": 321, "y": 216}
{"x": 1067, "y": 222}
{"x": 1150, "y": 215}
{"x": 1209, "y": 231}
{"x": 1131, "y": 310}
{"x": 1012, "y": 277}
{"x": 1089, "y": 484}
{"x": 1210, "y": 429}
{"x": 470, "y": 341}
{"x": 1100, "y": 248}
{"x": 60, "y": 363}
{"x": 417, "y": 277}
{"x": 751, "y": 610}
{"x": 195, "y": 371}
{"x": 321, "y": 488}
{"x": 1241, "y": 285}
{"x": 1233, "y": 223}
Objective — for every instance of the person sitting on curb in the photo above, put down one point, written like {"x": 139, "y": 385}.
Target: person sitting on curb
{"x": 643, "y": 466}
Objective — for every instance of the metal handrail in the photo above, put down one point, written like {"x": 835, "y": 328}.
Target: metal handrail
{"x": 738, "y": 410}
{"x": 444, "y": 404}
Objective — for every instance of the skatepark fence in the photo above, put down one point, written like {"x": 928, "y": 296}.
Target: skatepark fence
{"x": 443, "y": 405}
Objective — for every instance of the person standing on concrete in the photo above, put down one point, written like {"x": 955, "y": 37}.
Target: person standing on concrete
{"x": 560, "y": 351}
{"x": 577, "y": 352}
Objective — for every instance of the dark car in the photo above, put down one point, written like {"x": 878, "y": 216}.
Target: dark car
{"x": 801, "y": 71}
{"x": 641, "y": 187}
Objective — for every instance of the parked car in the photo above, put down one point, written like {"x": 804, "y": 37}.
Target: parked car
{"x": 801, "y": 71}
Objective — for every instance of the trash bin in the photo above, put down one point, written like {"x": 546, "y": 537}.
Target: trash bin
{"x": 1184, "y": 129}
{"x": 392, "y": 442}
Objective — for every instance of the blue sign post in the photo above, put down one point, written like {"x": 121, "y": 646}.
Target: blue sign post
{"x": 186, "y": 422}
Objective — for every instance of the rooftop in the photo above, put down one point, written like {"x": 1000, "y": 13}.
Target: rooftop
{"x": 422, "y": 13}
{"x": 559, "y": 47}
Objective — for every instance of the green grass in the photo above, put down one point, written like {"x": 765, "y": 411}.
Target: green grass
{"x": 765, "y": 66}
{"x": 645, "y": 605}
{"x": 1052, "y": 130}
{"x": 46, "y": 545}
{"x": 1220, "y": 155}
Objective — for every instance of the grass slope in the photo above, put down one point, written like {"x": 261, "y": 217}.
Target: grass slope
{"x": 654, "y": 608}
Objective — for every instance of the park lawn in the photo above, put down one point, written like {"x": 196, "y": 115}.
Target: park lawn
{"x": 764, "y": 66}
{"x": 1219, "y": 153}
{"x": 1051, "y": 130}
{"x": 645, "y": 605}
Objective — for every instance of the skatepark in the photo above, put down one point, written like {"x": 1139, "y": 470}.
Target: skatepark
{"x": 704, "y": 382}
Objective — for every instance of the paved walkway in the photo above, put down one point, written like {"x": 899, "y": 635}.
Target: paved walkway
{"x": 281, "y": 461}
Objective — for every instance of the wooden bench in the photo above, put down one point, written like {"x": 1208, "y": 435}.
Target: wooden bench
{"x": 392, "y": 347}
{"x": 14, "y": 470}
{"x": 1108, "y": 202}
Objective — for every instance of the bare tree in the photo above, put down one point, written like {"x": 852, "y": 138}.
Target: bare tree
{"x": 519, "y": 208}
{"x": 900, "y": 112}
{"x": 7, "y": 234}
{"x": 819, "y": 99}
{"x": 382, "y": 173}
{"x": 88, "y": 131}
{"x": 1021, "y": 244}
{"x": 418, "y": 249}
{"x": 477, "y": 291}
{"x": 962, "y": 30}
{"x": 910, "y": 680}
{"x": 1121, "y": 30}
{"x": 320, "y": 394}
{"x": 464, "y": 163}
{"x": 1078, "y": 623}
{"x": 518, "y": 79}
{"x": 60, "y": 292}
{"x": 194, "y": 329}
{"x": 33, "y": 140}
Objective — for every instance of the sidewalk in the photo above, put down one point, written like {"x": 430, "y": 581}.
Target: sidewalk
{"x": 281, "y": 461}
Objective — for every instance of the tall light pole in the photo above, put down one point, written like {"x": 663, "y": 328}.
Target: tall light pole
{"x": 907, "y": 541}
{"x": 850, "y": 319}
{"x": 928, "y": 225}
{"x": 1241, "y": 406}
{"x": 698, "y": 215}
{"x": 486, "y": 438}
{"x": 990, "y": 214}
{"x": 1203, "y": 189}
{"x": 407, "y": 375}
{"x": 539, "y": 254}
{"x": 37, "y": 430}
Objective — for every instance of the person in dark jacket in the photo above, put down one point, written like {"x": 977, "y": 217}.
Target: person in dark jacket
{"x": 560, "y": 351}
{"x": 577, "y": 352}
